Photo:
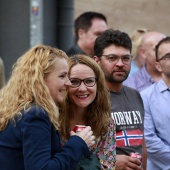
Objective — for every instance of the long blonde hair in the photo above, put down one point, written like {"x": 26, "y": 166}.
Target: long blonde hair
{"x": 27, "y": 86}
{"x": 99, "y": 110}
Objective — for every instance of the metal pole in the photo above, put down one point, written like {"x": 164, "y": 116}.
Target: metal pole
{"x": 36, "y": 22}
{"x": 65, "y": 24}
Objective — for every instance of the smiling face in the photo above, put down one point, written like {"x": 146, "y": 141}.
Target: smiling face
{"x": 57, "y": 81}
{"x": 82, "y": 96}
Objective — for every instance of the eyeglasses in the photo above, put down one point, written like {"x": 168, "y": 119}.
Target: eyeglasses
{"x": 89, "y": 82}
{"x": 165, "y": 57}
{"x": 114, "y": 58}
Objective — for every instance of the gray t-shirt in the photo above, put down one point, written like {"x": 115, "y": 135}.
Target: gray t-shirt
{"x": 128, "y": 113}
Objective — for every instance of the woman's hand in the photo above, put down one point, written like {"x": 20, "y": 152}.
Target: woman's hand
{"x": 87, "y": 135}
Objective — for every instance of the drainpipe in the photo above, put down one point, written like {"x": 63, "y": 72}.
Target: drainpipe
{"x": 65, "y": 24}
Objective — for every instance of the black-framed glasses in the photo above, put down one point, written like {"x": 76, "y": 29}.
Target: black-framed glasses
{"x": 89, "y": 82}
{"x": 166, "y": 57}
{"x": 126, "y": 59}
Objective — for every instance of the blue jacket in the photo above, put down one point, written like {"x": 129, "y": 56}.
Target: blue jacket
{"x": 34, "y": 144}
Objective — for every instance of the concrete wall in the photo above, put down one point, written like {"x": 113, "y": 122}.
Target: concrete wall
{"x": 127, "y": 15}
{"x": 19, "y": 26}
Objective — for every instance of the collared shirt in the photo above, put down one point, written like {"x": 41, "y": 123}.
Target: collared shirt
{"x": 156, "y": 100}
{"x": 139, "y": 80}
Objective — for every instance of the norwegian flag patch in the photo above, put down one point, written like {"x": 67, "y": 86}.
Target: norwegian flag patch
{"x": 129, "y": 138}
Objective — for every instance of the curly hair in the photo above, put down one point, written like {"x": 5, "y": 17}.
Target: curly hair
{"x": 26, "y": 85}
{"x": 111, "y": 37}
{"x": 100, "y": 107}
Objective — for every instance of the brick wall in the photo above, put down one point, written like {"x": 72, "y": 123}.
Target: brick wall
{"x": 127, "y": 15}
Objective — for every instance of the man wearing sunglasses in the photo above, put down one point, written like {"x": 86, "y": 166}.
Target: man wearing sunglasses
{"x": 113, "y": 54}
{"x": 156, "y": 100}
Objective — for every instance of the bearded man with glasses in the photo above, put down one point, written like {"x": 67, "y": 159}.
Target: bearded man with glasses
{"x": 113, "y": 54}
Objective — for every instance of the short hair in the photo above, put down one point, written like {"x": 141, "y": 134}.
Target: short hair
{"x": 111, "y": 37}
{"x": 163, "y": 41}
{"x": 99, "y": 109}
{"x": 84, "y": 21}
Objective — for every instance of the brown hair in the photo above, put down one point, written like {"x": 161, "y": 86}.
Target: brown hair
{"x": 100, "y": 107}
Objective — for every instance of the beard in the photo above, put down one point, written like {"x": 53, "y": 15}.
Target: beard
{"x": 112, "y": 78}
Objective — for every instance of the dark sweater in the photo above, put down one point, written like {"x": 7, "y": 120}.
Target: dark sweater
{"x": 74, "y": 50}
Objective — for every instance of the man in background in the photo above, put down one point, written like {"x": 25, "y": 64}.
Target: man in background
{"x": 113, "y": 54}
{"x": 156, "y": 100}
{"x": 88, "y": 26}
{"x": 148, "y": 74}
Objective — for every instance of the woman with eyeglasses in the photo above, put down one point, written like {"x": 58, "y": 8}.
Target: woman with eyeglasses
{"x": 29, "y": 115}
{"x": 88, "y": 103}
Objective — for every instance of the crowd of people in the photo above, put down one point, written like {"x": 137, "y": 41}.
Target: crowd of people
{"x": 115, "y": 85}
